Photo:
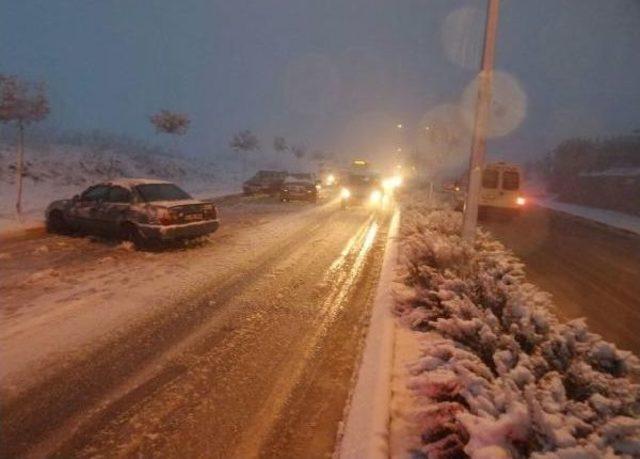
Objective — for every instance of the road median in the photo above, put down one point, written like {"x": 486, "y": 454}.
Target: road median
{"x": 496, "y": 374}
{"x": 366, "y": 428}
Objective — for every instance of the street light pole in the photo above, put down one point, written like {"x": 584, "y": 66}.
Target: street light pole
{"x": 483, "y": 104}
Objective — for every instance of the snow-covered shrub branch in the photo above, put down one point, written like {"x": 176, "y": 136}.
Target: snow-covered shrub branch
{"x": 501, "y": 375}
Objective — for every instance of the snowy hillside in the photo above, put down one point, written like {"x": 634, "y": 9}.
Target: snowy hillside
{"x": 58, "y": 171}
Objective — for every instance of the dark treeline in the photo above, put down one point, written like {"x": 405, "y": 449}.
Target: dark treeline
{"x": 577, "y": 156}
{"x": 595, "y": 172}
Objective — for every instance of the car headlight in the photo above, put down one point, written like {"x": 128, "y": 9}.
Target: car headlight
{"x": 521, "y": 201}
{"x": 375, "y": 197}
{"x": 345, "y": 193}
{"x": 331, "y": 179}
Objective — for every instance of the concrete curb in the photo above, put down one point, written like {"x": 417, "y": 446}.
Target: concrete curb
{"x": 366, "y": 429}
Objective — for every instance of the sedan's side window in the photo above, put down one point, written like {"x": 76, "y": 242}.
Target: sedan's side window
{"x": 119, "y": 195}
{"x": 95, "y": 193}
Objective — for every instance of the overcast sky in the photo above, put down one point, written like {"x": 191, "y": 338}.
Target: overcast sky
{"x": 332, "y": 74}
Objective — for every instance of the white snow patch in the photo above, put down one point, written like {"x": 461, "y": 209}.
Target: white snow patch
{"x": 613, "y": 172}
{"x": 608, "y": 217}
{"x": 366, "y": 431}
{"x": 61, "y": 171}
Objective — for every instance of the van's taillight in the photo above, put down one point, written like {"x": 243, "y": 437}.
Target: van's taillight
{"x": 521, "y": 201}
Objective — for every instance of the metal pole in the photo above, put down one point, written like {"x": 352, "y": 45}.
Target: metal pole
{"x": 19, "y": 169}
{"x": 483, "y": 104}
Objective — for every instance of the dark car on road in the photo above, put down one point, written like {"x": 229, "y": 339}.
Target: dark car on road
{"x": 142, "y": 211}
{"x": 362, "y": 189}
{"x": 264, "y": 181}
{"x": 299, "y": 189}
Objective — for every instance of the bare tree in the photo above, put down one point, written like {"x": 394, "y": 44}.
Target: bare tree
{"x": 318, "y": 156}
{"x": 173, "y": 123}
{"x": 244, "y": 142}
{"x": 299, "y": 151}
{"x": 169, "y": 122}
{"x": 280, "y": 144}
{"x": 22, "y": 103}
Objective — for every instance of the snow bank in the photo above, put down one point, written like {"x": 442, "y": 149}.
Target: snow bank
{"x": 503, "y": 377}
{"x": 608, "y": 217}
{"x": 58, "y": 171}
{"x": 366, "y": 428}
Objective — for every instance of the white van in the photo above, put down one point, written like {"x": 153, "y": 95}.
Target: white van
{"x": 501, "y": 187}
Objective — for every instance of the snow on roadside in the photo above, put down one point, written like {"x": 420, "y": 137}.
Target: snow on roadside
{"x": 59, "y": 171}
{"x": 608, "y": 217}
{"x": 365, "y": 431}
{"x": 497, "y": 374}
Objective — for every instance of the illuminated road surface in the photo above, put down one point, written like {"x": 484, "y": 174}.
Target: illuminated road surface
{"x": 591, "y": 270}
{"x": 256, "y": 362}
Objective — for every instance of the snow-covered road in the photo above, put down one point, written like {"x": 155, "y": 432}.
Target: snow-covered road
{"x": 241, "y": 346}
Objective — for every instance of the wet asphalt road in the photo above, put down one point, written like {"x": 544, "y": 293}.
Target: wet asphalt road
{"x": 258, "y": 365}
{"x": 591, "y": 270}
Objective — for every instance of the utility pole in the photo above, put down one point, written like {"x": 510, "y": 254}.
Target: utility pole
{"x": 479, "y": 140}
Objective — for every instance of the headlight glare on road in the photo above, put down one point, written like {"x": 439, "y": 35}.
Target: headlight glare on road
{"x": 391, "y": 183}
{"x": 345, "y": 193}
{"x": 376, "y": 196}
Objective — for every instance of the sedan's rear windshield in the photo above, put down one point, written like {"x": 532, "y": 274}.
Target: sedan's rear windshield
{"x": 161, "y": 192}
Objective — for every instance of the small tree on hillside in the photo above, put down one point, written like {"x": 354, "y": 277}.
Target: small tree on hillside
{"x": 318, "y": 156}
{"x": 168, "y": 122}
{"x": 22, "y": 103}
{"x": 280, "y": 144}
{"x": 244, "y": 142}
{"x": 299, "y": 152}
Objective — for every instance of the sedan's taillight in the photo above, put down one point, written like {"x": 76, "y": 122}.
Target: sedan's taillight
{"x": 167, "y": 220}
{"x": 210, "y": 212}
{"x": 165, "y": 217}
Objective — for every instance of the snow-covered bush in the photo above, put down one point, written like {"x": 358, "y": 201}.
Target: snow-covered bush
{"x": 503, "y": 377}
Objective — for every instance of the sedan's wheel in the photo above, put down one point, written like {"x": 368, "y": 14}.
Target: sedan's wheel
{"x": 132, "y": 234}
{"x": 56, "y": 223}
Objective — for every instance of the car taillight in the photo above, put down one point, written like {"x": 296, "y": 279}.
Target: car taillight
{"x": 210, "y": 212}
{"x": 165, "y": 217}
{"x": 167, "y": 220}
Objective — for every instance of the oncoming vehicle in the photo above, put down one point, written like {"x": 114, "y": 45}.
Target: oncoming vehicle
{"x": 299, "y": 189}
{"x": 328, "y": 178}
{"x": 142, "y": 211}
{"x": 264, "y": 181}
{"x": 361, "y": 189}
